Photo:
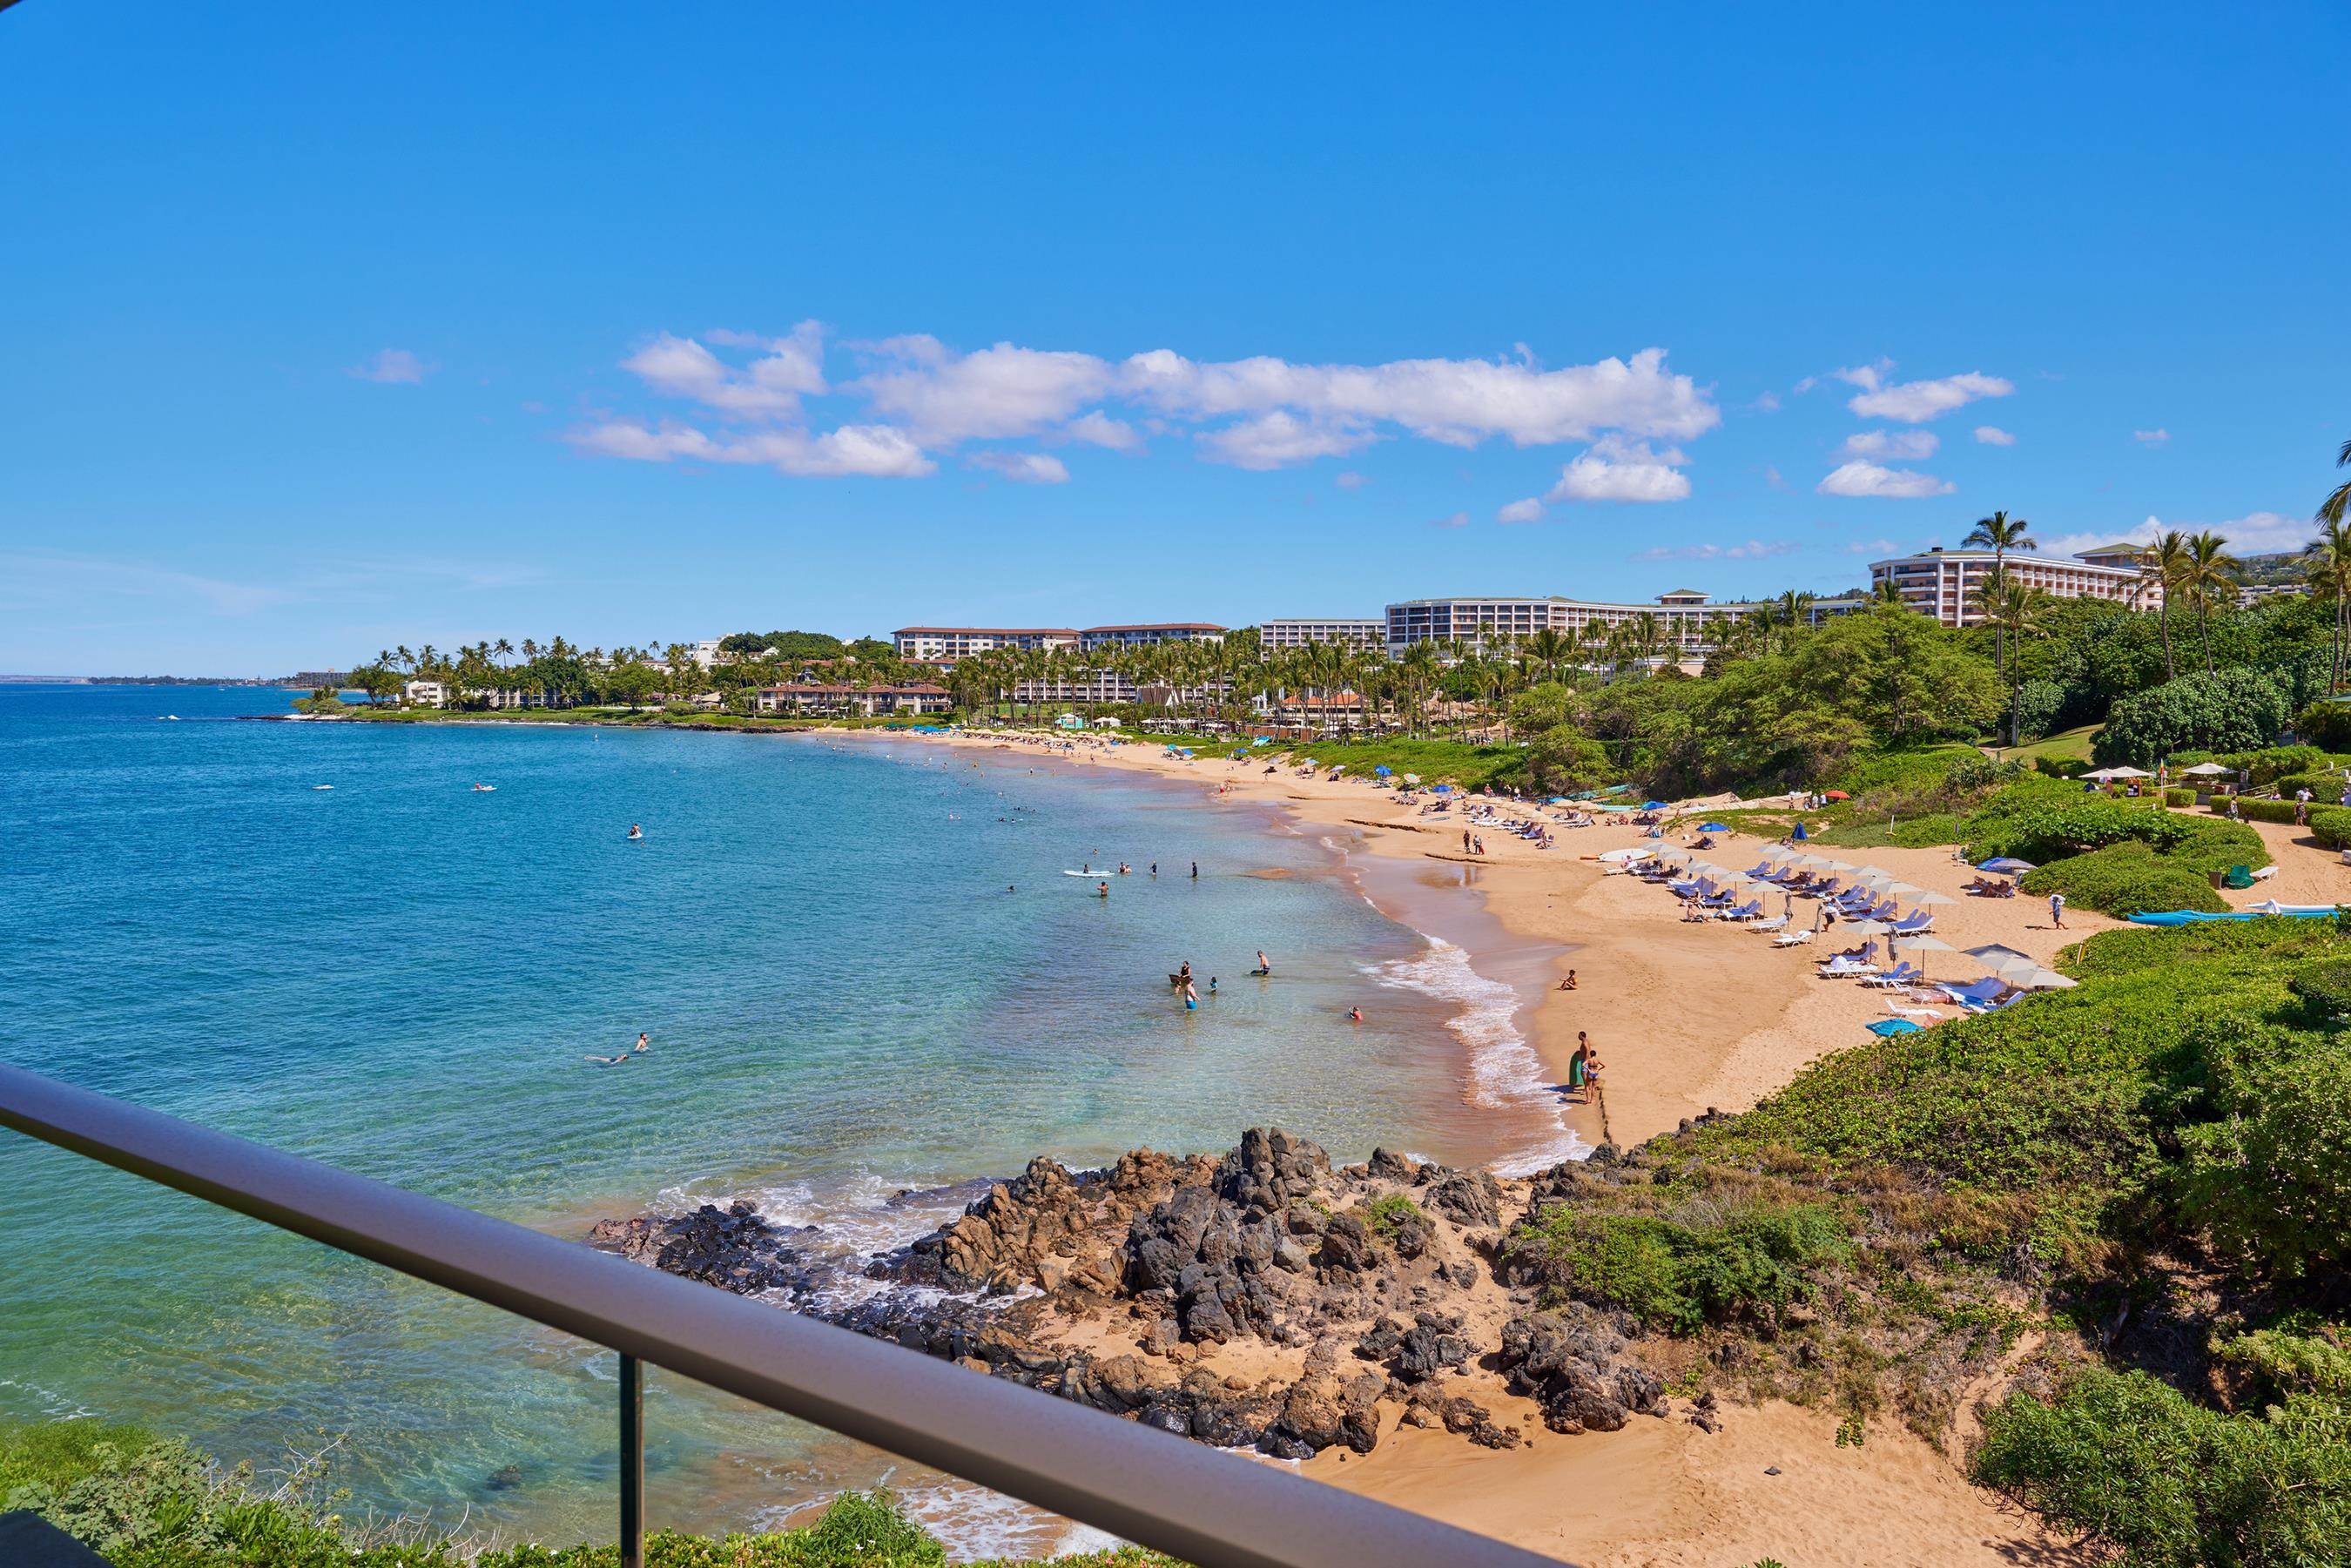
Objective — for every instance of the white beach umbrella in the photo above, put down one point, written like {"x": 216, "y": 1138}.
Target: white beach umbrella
{"x": 1922, "y": 944}
{"x": 1813, "y": 862}
{"x": 1928, "y": 895}
{"x": 1840, "y": 865}
{"x": 2001, "y": 959}
{"x": 2041, "y": 980}
{"x": 2203, "y": 770}
{"x": 1867, "y": 927}
{"x": 2103, "y": 776}
{"x": 2127, "y": 773}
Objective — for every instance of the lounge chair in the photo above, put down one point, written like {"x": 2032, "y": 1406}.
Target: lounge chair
{"x": 1843, "y": 968}
{"x": 1902, "y": 975}
{"x": 1747, "y": 910}
{"x": 1901, "y": 1012}
{"x": 1910, "y": 925}
{"x": 1792, "y": 939}
{"x": 1777, "y": 921}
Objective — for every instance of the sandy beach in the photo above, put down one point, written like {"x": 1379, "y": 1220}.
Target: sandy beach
{"x": 1689, "y": 1016}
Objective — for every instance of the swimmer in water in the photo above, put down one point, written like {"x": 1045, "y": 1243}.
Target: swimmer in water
{"x": 635, "y": 830}
{"x": 1191, "y": 997}
{"x": 644, "y": 1041}
{"x": 1264, "y": 964}
{"x": 1354, "y": 1015}
{"x": 608, "y": 1061}
{"x": 1102, "y": 889}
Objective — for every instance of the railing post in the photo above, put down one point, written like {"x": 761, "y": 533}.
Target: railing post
{"x": 633, "y": 1463}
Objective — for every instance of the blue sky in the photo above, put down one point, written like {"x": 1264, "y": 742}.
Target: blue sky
{"x": 327, "y": 328}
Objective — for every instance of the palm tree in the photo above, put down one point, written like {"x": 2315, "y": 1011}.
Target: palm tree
{"x": 2002, "y": 534}
{"x": 2166, "y": 565}
{"x": 1886, "y": 590}
{"x": 2207, "y": 573}
{"x": 2338, "y": 500}
{"x": 1548, "y": 648}
{"x": 2015, "y": 609}
{"x": 2329, "y": 575}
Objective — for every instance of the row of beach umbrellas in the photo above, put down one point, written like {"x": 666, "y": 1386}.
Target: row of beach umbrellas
{"x": 2018, "y": 969}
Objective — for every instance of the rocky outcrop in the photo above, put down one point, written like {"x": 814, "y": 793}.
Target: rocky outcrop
{"x": 1573, "y": 1364}
{"x": 1219, "y": 1298}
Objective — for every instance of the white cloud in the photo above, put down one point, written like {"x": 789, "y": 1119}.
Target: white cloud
{"x": 1860, "y": 478}
{"x": 1993, "y": 435}
{"x": 1752, "y": 550}
{"x": 1915, "y": 402}
{"x": 1769, "y": 402}
{"x": 1526, "y": 511}
{"x": 1458, "y": 521}
{"x": 1616, "y": 469}
{"x": 1868, "y": 378}
{"x": 1351, "y": 480}
{"x": 2255, "y": 533}
{"x": 1895, "y": 445}
{"x": 2155, "y": 437}
{"x": 1457, "y": 401}
{"x": 1023, "y": 468}
{"x": 1771, "y": 477}
{"x": 1258, "y": 413}
{"x": 392, "y": 367}
{"x": 1872, "y": 547}
{"x": 1100, "y": 429}
{"x": 1278, "y": 439}
{"x": 877, "y": 450}
{"x": 770, "y": 385}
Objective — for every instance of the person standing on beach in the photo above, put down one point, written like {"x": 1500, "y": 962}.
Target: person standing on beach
{"x": 1195, "y": 871}
{"x": 1576, "y": 1066}
{"x": 2057, "y": 910}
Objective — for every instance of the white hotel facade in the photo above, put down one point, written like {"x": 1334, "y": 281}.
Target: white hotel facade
{"x": 1943, "y": 583}
{"x": 1303, "y": 632}
{"x": 1683, "y": 613}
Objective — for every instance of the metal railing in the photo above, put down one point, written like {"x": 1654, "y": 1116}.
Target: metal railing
{"x": 1191, "y": 1501}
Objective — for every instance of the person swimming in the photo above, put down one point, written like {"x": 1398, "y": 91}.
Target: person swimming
{"x": 644, "y": 1041}
{"x": 1354, "y": 1015}
{"x": 1102, "y": 889}
{"x": 636, "y": 832}
{"x": 608, "y": 1061}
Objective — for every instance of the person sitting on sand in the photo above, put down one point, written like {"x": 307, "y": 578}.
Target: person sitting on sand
{"x": 1568, "y": 984}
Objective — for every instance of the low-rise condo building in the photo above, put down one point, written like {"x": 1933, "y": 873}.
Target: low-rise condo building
{"x": 869, "y": 701}
{"x": 945, "y": 645}
{"x": 425, "y": 693}
{"x": 1682, "y": 616}
{"x": 1304, "y": 631}
{"x": 1944, "y": 583}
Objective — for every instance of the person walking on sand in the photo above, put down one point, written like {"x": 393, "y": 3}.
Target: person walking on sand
{"x": 2057, "y": 910}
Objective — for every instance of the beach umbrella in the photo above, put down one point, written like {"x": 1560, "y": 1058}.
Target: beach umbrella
{"x": 2041, "y": 980}
{"x": 1383, "y": 771}
{"x": 1412, "y": 778}
{"x": 1840, "y": 865}
{"x": 1922, "y": 944}
{"x": 1928, "y": 895}
{"x": 2203, "y": 770}
{"x": 1886, "y": 1029}
{"x": 2006, "y": 866}
{"x": 1714, "y": 827}
{"x": 1836, "y": 795}
{"x": 2004, "y": 960}
{"x": 1653, "y": 805}
{"x": 1867, "y": 927}
{"x": 2126, "y": 773}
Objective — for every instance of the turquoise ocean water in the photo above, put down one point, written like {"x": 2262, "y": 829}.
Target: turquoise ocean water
{"x": 861, "y": 968}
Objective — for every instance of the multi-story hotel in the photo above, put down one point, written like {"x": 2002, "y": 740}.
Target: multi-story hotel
{"x": 1301, "y": 634}
{"x": 1094, "y": 637}
{"x": 1683, "y": 613}
{"x": 945, "y": 645}
{"x": 1943, "y": 583}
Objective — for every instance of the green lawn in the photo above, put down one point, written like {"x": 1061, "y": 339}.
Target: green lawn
{"x": 2065, "y": 746}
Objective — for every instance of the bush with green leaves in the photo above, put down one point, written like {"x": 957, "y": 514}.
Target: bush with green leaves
{"x": 2271, "y": 1181}
{"x": 2331, "y": 826}
{"x": 2326, "y": 722}
{"x": 2325, "y": 784}
{"x": 2124, "y": 879}
{"x": 1680, "y": 1273}
{"x": 2257, "y": 811}
{"x": 2173, "y": 1484}
{"x": 2268, "y": 764}
{"x": 2234, "y": 709}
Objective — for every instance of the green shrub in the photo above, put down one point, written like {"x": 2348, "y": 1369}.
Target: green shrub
{"x": 2326, "y": 722}
{"x": 2180, "y": 797}
{"x": 2271, "y": 763}
{"x": 2326, "y": 786}
{"x": 2282, "y": 1361}
{"x": 2272, "y": 1183}
{"x": 1680, "y": 1275}
{"x": 2331, "y": 826}
{"x": 2062, "y": 767}
{"x": 2234, "y": 708}
{"x": 2126, "y": 879}
{"x": 2049, "y": 829}
{"x": 1385, "y": 1217}
{"x": 2324, "y": 987}
{"x": 2173, "y": 1485}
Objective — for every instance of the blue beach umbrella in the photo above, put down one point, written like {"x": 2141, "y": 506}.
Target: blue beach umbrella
{"x": 1653, "y": 805}
{"x": 1383, "y": 771}
{"x": 2006, "y": 866}
{"x": 1714, "y": 827}
{"x": 1888, "y": 1028}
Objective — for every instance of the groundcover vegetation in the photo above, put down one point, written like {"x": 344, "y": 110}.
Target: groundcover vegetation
{"x": 2129, "y": 1203}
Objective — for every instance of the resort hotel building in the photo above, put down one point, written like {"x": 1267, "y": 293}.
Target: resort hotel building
{"x": 1683, "y": 614}
{"x": 945, "y": 645}
{"x": 1301, "y": 633}
{"x": 1943, "y": 583}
